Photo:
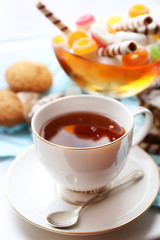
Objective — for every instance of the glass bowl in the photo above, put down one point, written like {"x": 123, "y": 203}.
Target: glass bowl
{"x": 110, "y": 80}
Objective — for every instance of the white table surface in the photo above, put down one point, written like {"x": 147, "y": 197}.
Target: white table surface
{"x": 20, "y": 21}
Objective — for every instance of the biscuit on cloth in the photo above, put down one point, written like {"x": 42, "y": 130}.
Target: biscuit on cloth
{"x": 150, "y": 98}
{"x": 11, "y": 112}
{"x": 28, "y": 76}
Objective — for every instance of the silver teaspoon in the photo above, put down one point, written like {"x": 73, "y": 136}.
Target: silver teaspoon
{"x": 65, "y": 219}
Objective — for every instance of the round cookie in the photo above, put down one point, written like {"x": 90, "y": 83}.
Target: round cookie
{"x": 28, "y": 76}
{"x": 10, "y": 108}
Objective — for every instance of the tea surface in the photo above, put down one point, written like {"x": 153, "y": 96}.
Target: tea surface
{"x": 81, "y": 129}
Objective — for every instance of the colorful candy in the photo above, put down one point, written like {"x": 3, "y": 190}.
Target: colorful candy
{"x": 117, "y": 49}
{"x": 61, "y": 41}
{"x": 137, "y": 10}
{"x": 58, "y": 39}
{"x": 114, "y": 19}
{"x": 85, "y": 21}
{"x": 136, "y": 58}
{"x": 155, "y": 51}
{"x": 84, "y": 46}
{"x": 111, "y": 38}
{"x": 74, "y": 36}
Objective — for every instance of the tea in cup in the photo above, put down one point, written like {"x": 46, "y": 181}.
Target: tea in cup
{"x": 81, "y": 130}
{"x": 83, "y": 141}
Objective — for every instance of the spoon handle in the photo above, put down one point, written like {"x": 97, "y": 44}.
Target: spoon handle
{"x": 136, "y": 175}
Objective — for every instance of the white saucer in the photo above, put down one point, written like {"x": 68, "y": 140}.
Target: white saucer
{"x": 31, "y": 192}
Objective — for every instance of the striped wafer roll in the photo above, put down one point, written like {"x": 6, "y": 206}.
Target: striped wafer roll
{"x": 153, "y": 28}
{"x": 117, "y": 49}
{"x": 51, "y": 17}
{"x": 100, "y": 32}
{"x": 121, "y": 36}
{"x": 133, "y": 23}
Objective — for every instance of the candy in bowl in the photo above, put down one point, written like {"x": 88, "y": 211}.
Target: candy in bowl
{"x": 117, "y": 56}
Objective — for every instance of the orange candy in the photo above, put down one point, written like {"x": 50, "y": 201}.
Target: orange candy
{"x": 136, "y": 58}
{"x": 84, "y": 46}
{"x": 75, "y": 36}
{"x": 138, "y": 9}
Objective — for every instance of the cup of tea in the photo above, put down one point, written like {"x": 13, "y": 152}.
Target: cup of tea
{"x": 83, "y": 141}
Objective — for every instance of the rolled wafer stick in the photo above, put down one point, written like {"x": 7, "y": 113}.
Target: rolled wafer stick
{"x": 153, "y": 28}
{"x": 117, "y": 49}
{"x": 132, "y": 23}
{"x": 99, "y": 32}
{"x": 51, "y": 17}
{"x": 121, "y": 36}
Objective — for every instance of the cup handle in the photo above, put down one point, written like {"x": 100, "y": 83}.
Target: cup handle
{"x": 139, "y": 136}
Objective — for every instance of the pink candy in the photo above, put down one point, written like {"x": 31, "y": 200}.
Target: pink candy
{"x": 85, "y": 21}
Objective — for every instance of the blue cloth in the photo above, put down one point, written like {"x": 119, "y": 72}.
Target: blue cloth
{"x": 13, "y": 140}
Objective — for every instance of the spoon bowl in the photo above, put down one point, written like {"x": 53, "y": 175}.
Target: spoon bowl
{"x": 63, "y": 219}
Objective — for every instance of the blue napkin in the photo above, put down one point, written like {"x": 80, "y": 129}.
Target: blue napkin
{"x": 14, "y": 140}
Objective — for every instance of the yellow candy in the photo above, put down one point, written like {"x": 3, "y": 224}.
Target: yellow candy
{"x": 137, "y": 10}
{"x": 75, "y": 36}
{"x": 59, "y": 39}
{"x": 112, "y": 20}
{"x": 84, "y": 46}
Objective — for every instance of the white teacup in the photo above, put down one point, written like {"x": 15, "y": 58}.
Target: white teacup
{"x": 86, "y": 169}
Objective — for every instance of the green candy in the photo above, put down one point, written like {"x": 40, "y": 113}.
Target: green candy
{"x": 155, "y": 50}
